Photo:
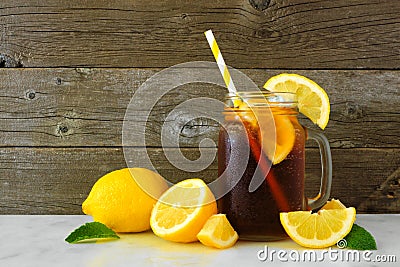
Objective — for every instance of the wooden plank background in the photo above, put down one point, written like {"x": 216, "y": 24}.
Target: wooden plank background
{"x": 286, "y": 34}
{"x": 69, "y": 69}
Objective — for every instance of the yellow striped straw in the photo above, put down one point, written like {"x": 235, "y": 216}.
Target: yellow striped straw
{"x": 220, "y": 61}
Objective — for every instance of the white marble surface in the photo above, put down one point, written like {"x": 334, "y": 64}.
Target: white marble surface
{"x": 39, "y": 241}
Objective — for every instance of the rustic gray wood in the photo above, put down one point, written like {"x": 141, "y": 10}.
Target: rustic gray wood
{"x": 297, "y": 34}
{"x": 386, "y": 197}
{"x": 86, "y": 107}
{"x": 61, "y": 121}
{"x": 57, "y": 180}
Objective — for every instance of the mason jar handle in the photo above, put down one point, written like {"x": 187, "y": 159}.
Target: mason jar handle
{"x": 326, "y": 173}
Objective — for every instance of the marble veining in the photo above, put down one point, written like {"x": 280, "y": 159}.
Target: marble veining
{"x": 37, "y": 240}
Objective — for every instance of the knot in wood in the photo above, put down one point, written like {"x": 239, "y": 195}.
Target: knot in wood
{"x": 265, "y": 33}
{"x": 62, "y": 129}
{"x": 30, "y": 94}
{"x": 198, "y": 127}
{"x": 354, "y": 111}
{"x": 7, "y": 61}
{"x": 260, "y": 5}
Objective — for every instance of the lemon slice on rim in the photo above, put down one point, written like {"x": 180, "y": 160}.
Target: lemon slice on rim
{"x": 312, "y": 100}
{"x": 182, "y": 211}
{"x": 318, "y": 230}
{"x": 218, "y": 232}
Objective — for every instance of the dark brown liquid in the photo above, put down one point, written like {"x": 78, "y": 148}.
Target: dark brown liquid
{"x": 255, "y": 215}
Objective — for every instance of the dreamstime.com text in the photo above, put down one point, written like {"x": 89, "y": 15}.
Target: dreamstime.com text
{"x": 333, "y": 255}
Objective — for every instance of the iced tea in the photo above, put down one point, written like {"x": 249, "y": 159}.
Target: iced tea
{"x": 255, "y": 215}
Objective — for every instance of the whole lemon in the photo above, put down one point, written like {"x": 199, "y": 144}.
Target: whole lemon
{"x": 123, "y": 199}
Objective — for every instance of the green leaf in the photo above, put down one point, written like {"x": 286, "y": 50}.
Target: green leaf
{"x": 91, "y": 231}
{"x": 360, "y": 239}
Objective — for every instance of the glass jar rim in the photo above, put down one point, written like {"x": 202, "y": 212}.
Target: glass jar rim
{"x": 286, "y": 96}
{"x": 267, "y": 97}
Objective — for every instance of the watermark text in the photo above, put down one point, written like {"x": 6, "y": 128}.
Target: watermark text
{"x": 333, "y": 255}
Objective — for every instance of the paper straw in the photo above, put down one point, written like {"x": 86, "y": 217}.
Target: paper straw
{"x": 220, "y": 61}
{"x": 271, "y": 180}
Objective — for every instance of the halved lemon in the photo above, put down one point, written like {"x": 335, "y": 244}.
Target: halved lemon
{"x": 312, "y": 99}
{"x": 318, "y": 230}
{"x": 218, "y": 232}
{"x": 182, "y": 211}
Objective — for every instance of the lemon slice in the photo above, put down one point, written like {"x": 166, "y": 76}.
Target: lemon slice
{"x": 318, "y": 230}
{"x": 218, "y": 232}
{"x": 285, "y": 138}
{"x": 312, "y": 99}
{"x": 285, "y": 133}
{"x": 182, "y": 211}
